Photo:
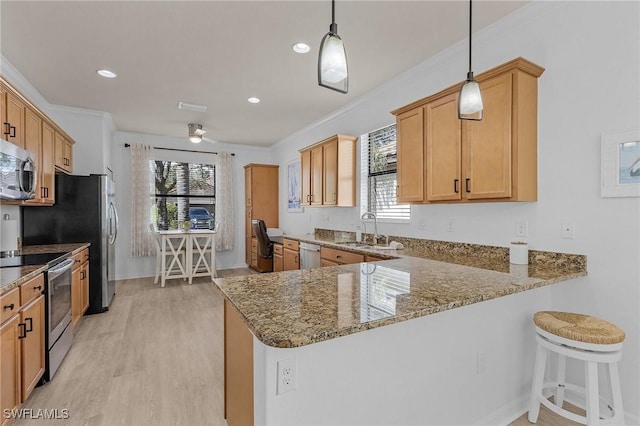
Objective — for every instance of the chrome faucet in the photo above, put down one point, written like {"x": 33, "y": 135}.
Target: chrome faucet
{"x": 369, "y": 215}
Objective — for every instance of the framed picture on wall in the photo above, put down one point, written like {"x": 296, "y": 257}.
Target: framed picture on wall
{"x": 621, "y": 164}
{"x": 294, "y": 187}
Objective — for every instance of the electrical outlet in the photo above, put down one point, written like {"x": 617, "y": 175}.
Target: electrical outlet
{"x": 568, "y": 230}
{"x": 522, "y": 228}
{"x": 450, "y": 225}
{"x": 286, "y": 375}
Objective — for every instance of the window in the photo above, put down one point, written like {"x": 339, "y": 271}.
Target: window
{"x": 183, "y": 192}
{"x": 378, "y": 176}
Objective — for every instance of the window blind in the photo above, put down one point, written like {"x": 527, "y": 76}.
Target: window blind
{"x": 379, "y": 175}
{"x": 379, "y": 290}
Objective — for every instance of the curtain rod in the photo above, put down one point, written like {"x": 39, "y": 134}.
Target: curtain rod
{"x": 126, "y": 145}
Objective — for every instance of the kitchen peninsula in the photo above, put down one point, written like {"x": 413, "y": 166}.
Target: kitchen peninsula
{"x": 359, "y": 344}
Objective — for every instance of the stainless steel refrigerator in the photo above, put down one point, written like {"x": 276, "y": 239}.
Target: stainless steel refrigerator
{"x": 84, "y": 211}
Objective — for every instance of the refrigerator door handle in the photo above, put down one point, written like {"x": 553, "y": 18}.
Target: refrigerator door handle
{"x": 114, "y": 231}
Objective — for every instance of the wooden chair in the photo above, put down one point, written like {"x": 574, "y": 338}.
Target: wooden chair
{"x": 176, "y": 267}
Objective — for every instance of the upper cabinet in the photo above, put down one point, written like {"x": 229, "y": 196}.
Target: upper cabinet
{"x": 490, "y": 160}
{"x": 329, "y": 172}
{"x": 25, "y": 125}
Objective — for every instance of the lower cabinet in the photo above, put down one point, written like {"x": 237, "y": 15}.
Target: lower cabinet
{"x": 291, "y": 255}
{"x": 332, "y": 257}
{"x": 22, "y": 345}
{"x": 278, "y": 258}
{"x": 80, "y": 286}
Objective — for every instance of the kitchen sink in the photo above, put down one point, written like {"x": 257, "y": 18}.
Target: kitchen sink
{"x": 356, "y": 244}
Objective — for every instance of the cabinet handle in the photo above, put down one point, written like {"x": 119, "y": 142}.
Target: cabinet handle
{"x": 295, "y": 259}
{"x": 455, "y": 186}
{"x": 334, "y": 196}
{"x": 7, "y": 130}
{"x": 338, "y": 257}
{"x": 9, "y": 307}
{"x": 38, "y": 287}
{"x": 22, "y": 333}
{"x": 467, "y": 181}
{"x": 397, "y": 191}
{"x": 29, "y": 326}
{"x": 13, "y": 132}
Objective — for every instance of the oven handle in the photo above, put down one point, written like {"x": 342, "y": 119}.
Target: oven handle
{"x": 60, "y": 268}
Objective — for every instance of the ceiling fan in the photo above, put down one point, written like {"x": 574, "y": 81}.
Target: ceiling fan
{"x": 196, "y": 134}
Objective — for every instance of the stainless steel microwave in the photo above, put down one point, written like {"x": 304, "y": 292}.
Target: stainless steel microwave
{"x": 17, "y": 172}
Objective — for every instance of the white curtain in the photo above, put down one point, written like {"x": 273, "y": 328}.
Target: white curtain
{"x": 224, "y": 201}
{"x": 140, "y": 241}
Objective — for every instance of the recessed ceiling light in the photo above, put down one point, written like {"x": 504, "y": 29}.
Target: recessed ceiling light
{"x": 253, "y": 100}
{"x": 192, "y": 107}
{"x": 301, "y": 48}
{"x": 107, "y": 73}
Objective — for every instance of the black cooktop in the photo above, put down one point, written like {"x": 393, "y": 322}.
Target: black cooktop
{"x": 32, "y": 259}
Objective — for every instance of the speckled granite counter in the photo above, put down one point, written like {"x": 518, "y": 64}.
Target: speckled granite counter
{"x": 297, "y": 308}
{"x": 10, "y": 278}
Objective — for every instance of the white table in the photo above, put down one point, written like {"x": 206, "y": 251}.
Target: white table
{"x": 188, "y": 254}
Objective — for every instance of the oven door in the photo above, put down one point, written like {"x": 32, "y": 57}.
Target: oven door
{"x": 59, "y": 298}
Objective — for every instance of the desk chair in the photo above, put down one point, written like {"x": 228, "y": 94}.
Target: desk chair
{"x": 265, "y": 245}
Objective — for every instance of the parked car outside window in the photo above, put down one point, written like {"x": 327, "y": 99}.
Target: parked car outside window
{"x": 200, "y": 217}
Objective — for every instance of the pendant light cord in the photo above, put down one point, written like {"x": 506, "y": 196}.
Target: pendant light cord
{"x": 333, "y": 11}
{"x": 470, "y": 17}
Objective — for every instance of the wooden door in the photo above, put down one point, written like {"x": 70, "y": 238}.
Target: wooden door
{"x": 443, "y": 141}
{"x": 33, "y": 144}
{"x": 84, "y": 276}
{"x": 410, "y": 149}
{"x": 305, "y": 165}
{"x": 48, "y": 170}
{"x": 346, "y": 171}
{"x": 291, "y": 259}
{"x": 32, "y": 346}
{"x": 247, "y": 214}
{"x": 486, "y": 145}
{"x": 15, "y": 118}
{"x": 330, "y": 173}
{"x": 316, "y": 175}
{"x": 264, "y": 190}
{"x": 278, "y": 263}
{"x": 9, "y": 367}
{"x": 76, "y": 295}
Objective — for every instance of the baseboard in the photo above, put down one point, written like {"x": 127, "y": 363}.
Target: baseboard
{"x": 508, "y": 412}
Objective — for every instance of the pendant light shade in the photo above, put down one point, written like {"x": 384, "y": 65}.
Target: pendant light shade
{"x": 332, "y": 60}
{"x": 470, "y": 99}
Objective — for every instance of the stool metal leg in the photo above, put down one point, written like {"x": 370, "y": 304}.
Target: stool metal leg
{"x": 559, "y": 396}
{"x": 618, "y": 411}
{"x": 593, "y": 398}
{"x": 536, "y": 386}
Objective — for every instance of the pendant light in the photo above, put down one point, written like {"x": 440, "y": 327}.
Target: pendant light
{"x": 470, "y": 98}
{"x": 332, "y": 59}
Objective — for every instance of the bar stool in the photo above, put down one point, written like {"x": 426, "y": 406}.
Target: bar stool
{"x": 585, "y": 338}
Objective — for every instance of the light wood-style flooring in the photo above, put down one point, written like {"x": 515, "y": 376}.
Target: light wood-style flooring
{"x": 155, "y": 358}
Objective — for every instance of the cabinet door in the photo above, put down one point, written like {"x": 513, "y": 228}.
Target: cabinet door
{"x": 247, "y": 217}
{"x": 410, "y": 148}
{"x": 84, "y": 276}
{"x": 76, "y": 295}
{"x": 487, "y": 143}
{"x": 278, "y": 263}
{"x": 32, "y": 346}
{"x": 48, "y": 170}
{"x": 33, "y": 144}
{"x": 325, "y": 262}
{"x": 68, "y": 150}
{"x": 316, "y": 176}
{"x": 3, "y": 111}
{"x": 15, "y": 118}
{"x": 63, "y": 153}
{"x": 291, "y": 259}
{"x": 305, "y": 165}
{"x": 330, "y": 184}
{"x": 443, "y": 139}
{"x": 9, "y": 366}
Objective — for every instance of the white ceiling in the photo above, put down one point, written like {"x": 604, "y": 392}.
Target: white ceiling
{"x": 219, "y": 53}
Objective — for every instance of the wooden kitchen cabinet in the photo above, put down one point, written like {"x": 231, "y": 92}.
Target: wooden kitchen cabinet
{"x": 291, "y": 255}
{"x": 13, "y": 118}
{"x": 490, "y": 160}
{"x": 329, "y": 172}
{"x": 339, "y": 257}
{"x": 9, "y": 366}
{"x": 63, "y": 154}
{"x": 261, "y": 202}
{"x": 278, "y": 257}
{"x": 79, "y": 286}
{"x": 38, "y": 137}
{"x": 32, "y": 350}
{"x": 410, "y": 156}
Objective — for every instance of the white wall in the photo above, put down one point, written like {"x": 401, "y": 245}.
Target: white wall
{"x": 591, "y": 52}
{"x": 129, "y": 267}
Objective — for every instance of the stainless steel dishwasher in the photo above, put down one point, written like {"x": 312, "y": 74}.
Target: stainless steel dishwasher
{"x": 309, "y": 256}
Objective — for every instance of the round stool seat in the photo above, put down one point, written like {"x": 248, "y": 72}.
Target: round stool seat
{"x": 578, "y": 327}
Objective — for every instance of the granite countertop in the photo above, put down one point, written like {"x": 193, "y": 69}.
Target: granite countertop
{"x": 11, "y": 278}
{"x": 296, "y": 308}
